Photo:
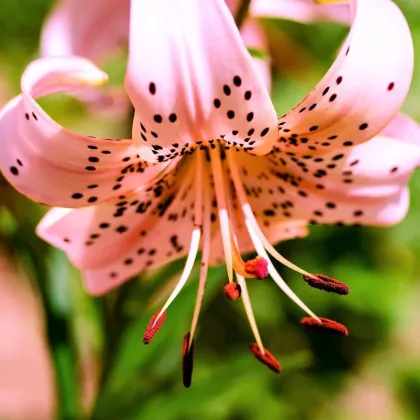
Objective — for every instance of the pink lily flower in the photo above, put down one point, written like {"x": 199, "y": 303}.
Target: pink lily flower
{"x": 210, "y": 166}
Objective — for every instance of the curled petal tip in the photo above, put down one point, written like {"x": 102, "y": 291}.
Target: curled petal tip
{"x": 326, "y": 324}
{"x": 267, "y": 358}
{"x": 322, "y": 282}
{"x": 257, "y": 267}
{"x": 232, "y": 291}
{"x": 93, "y": 79}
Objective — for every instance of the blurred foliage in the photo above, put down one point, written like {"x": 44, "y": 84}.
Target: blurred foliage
{"x": 323, "y": 377}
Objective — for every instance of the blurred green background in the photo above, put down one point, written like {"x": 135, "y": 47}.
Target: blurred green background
{"x": 66, "y": 355}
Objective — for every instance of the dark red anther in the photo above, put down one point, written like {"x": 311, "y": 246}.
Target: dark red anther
{"x": 257, "y": 267}
{"x": 326, "y": 324}
{"x": 322, "y": 282}
{"x": 232, "y": 291}
{"x": 153, "y": 328}
{"x": 187, "y": 361}
{"x": 267, "y": 358}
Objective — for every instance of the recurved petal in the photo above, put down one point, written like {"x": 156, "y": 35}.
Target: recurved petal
{"x": 364, "y": 88}
{"x": 92, "y": 29}
{"x": 195, "y": 81}
{"x": 305, "y": 11}
{"x": 365, "y": 184}
{"x": 56, "y": 166}
{"x": 114, "y": 241}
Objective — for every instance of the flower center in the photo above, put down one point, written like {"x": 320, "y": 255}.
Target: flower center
{"x": 216, "y": 174}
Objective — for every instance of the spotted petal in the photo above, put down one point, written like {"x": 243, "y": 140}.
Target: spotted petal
{"x": 365, "y": 184}
{"x": 191, "y": 79}
{"x": 112, "y": 242}
{"x": 56, "y": 166}
{"x": 364, "y": 88}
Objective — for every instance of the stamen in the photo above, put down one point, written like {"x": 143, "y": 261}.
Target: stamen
{"x": 328, "y": 284}
{"x": 187, "y": 360}
{"x": 258, "y": 242}
{"x": 192, "y": 255}
{"x": 325, "y": 324}
{"x": 274, "y": 274}
{"x": 232, "y": 291}
{"x": 153, "y": 327}
{"x": 204, "y": 261}
{"x": 250, "y": 313}
{"x": 265, "y": 357}
{"x": 249, "y": 215}
{"x": 195, "y": 239}
{"x": 217, "y": 171}
{"x": 258, "y": 267}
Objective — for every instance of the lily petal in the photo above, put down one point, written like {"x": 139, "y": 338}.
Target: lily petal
{"x": 195, "y": 81}
{"x": 255, "y": 38}
{"x": 304, "y": 11}
{"x": 364, "y": 88}
{"x": 93, "y": 29}
{"x": 112, "y": 242}
{"x": 56, "y": 166}
{"x": 365, "y": 184}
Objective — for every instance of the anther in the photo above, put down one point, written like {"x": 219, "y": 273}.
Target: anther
{"x": 257, "y": 267}
{"x": 232, "y": 291}
{"x": 153, "y": 327}
{"x": 325, "y": 324}
{"x": 187, "y": 361}
{"x": 267, "y": 358}
{"x": 322, "y": 282}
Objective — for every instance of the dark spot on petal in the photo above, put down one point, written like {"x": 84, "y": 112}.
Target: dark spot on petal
{"x": 226, "y": 90}
{"x": 237, "y": 81}
{"x": 230, "y": 114}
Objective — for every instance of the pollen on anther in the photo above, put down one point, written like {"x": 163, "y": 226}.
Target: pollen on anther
{"x": 326, "y": 324}
{"x": 257, "y": 267}
{"x": 232, "y": 291}
{"x": 187, "y": 360}
{"x": 267, "y": 358}
{"x": 152, "y": 328}
{"x": 322, "y": 282}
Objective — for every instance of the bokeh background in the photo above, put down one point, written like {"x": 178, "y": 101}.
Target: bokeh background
{"x": 66, "y": 355}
